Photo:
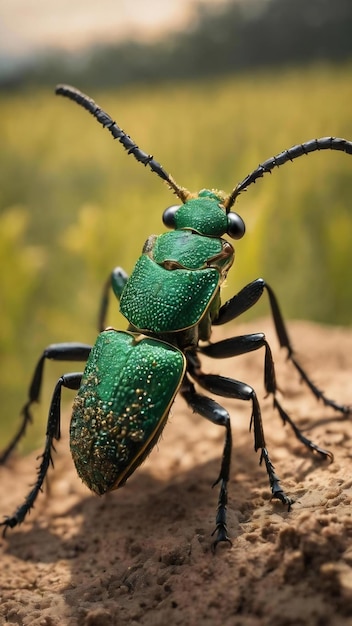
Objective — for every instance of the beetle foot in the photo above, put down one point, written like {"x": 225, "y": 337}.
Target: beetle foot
{"x": 315, "y": 449}
{"x": 279, "y": 494}
{"x": 308, "y": 443}
{"x": 222, "y": 536}
{"x": 10, "y": 522}
{"x": 276, "y": 489}
{"x": 220, "y": 521}
{"x": 16, "y": 518}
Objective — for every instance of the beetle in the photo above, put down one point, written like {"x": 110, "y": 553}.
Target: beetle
{"x": 171, "y": 302}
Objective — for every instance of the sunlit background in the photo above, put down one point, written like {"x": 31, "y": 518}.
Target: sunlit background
{"x": 34, "y": 26}
{"x": 211, "y": 88}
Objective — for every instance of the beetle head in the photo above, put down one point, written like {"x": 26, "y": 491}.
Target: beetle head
{"x": 206, "y": 215}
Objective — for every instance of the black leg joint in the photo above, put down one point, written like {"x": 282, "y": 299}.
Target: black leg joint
{"x": 241, "y": 302}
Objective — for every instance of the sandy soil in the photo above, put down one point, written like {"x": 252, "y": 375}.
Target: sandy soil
{"x": 142, "y": 555}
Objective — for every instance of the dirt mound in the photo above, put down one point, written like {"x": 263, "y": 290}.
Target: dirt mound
{"x": 142, "y": 555}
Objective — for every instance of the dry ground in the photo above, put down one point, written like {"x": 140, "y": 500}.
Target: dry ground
{"x": 142, "y": 555}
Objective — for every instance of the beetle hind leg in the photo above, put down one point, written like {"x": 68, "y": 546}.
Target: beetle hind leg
{"x": 70, "y": 381}
{"x": 230, "y": 388}
{"x": 214, "y": 412}
{"x": 72, "y": 351}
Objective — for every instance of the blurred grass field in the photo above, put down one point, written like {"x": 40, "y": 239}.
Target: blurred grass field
{"x": 73, "y": 204}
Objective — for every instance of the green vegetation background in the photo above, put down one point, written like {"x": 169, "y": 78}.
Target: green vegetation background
{"x": 73, "y": 204}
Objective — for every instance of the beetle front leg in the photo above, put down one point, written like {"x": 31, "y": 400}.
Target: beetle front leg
{"x": 285, "y": 342}
{"x": 70, "y": 381}
{"x": 246, "y": 299}
{"x": 56, "y": 352}
{"x": 116, "y": 281}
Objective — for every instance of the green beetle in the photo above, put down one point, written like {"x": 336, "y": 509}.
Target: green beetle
{"x": 171, "y": 301}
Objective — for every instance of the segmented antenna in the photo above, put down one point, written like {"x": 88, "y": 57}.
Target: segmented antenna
{"x": 324, "y": 143}
{"x": 107, "y": 122}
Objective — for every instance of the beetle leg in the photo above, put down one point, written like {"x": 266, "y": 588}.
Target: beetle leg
{"x": 241, "y": 302}
{"x": 248, "y": 343}
{"x": 116, "y": 281}
{"x": 210, "y": 409}
{"x": 71, "y": 381}
{"x": 56, "y": 352}
{"x": 214, "y": 412}
{"x": 244, "y": 300}
{"x": 285, "y": 342}
{"x": 230, "y": 388}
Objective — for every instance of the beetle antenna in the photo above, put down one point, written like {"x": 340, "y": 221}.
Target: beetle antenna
{"x": 106, "y": 121}
{"x": 324, "y": 143}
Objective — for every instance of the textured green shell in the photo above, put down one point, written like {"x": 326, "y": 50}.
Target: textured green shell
{"x": 159, "y": 300}
{"x": 186, "y": 248}
{"x": 121, "y": 408}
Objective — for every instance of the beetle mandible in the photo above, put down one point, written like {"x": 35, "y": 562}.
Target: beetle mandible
{"x": 171, "y": 301}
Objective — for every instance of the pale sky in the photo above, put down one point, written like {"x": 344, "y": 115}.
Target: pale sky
{"x": 27, "y": 26}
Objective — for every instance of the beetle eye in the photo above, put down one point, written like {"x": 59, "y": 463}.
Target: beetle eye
{"x": 235, "y": 226}
{"x": 169, "y": 215}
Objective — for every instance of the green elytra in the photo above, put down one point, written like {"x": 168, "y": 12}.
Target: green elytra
{"x": 127, "y": 388}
